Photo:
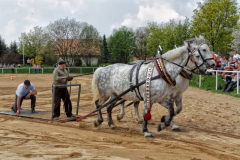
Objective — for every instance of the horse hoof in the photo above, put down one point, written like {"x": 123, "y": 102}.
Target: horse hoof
{"x": 95, "y": 124}
{"x": 119, "y": 117}
{"x": 140, "y": 122}
{"x": 113, "y": 128}
{"x": 159, "y": 128}
{"x": 163, "y": 119}
{"x": 176, "y": 130}
{"x": 150, "y": 137}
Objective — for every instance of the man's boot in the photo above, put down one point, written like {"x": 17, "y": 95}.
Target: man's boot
{"x": 234, "y": 85}
{"x": 229, "y": 89}
{"x": 226, "y": 85}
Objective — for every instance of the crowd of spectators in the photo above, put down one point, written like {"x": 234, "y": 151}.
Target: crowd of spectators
{"x": 232, "y": 64}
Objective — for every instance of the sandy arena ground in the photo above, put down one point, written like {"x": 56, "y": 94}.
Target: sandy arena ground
{"x": 210, "y": 125}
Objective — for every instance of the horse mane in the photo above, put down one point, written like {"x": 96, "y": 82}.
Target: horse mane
{"x": 172, "y": 54}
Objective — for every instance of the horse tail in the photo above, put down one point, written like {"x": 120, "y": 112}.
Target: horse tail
{"x": 95, "y": 90}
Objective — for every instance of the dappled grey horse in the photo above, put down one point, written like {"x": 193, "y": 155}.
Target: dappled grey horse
{"x": 110, "y": 81}
{"x": 181, "y": 85}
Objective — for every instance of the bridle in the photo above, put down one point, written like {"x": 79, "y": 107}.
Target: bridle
{"x": 193, "y": 59}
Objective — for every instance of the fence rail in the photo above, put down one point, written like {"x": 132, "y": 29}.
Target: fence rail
{"x": 48, "y": 70}
{"x": 217, "y": 71}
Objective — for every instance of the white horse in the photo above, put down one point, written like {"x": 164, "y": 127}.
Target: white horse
{"x": 112, "y": 80}
{"x": 181, "y": 86}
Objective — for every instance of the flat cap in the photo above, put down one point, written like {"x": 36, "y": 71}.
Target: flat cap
{"x": 60, "y": 62}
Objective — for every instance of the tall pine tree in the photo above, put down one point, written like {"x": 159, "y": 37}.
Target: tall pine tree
{"x": 106, "y": 53}
{"x": 3, "y": 46}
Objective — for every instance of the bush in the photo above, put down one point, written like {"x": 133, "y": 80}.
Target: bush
{"x": 51, "y": 59}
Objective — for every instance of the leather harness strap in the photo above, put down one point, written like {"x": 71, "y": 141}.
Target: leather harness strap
{"x": 184, "y": 74}
{"x": 136, "y": 90}
{"x": 138, "y": 68}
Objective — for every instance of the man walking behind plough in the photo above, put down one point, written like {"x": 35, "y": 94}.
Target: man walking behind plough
{"x": 61, "y": 76}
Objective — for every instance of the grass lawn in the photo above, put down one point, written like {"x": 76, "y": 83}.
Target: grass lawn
{"x": 209, "y": 83}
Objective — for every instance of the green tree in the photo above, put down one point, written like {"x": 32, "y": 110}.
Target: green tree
{"x": 122, "y": 45}
{"x": 167, "y": 35}
{"x": 34, "y": 43}
{"x": 215, "y": 19}
{"x": 141, "y": 44}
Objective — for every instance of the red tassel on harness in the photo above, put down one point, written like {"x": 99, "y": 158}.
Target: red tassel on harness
{"x": 148, "y": 116}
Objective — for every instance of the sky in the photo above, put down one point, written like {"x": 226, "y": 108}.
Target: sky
{"x": 18, "y": 16}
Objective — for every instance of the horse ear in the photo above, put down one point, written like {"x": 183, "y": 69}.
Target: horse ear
{"x": 189, "y": 45}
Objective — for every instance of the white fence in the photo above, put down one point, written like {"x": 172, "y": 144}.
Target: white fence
{"x": 217, "y": 71}
{"x": 29, "y": 70}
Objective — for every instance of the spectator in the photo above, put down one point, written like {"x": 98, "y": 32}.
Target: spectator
{"x": 35, "y": 68}
{"x": 12, "y": 68}
{"x": 218, "y": 64}
{"x": 100, "y": 65}
{"x": 38, "y": 68}
{"x": 214, "y": 56}
{"x": 28, "y": 61}
{"x": 8, "y": 66}
{"x": 19, "y": 65}
{"x": 220, "y": 58}
{"x": 228, "y": 67}
{"x": 1, "y": 65}
{"x": 13, "y": 65}
{"x": 4, "y": 66}
{"x": 31, "y": 62}
{"x": 235, "y": 55}
{"x": 230, "y": 84}
{"x": 224, "y": 63}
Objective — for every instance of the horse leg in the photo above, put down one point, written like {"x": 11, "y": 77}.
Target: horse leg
{"x": 169, "y": 104}
{"x": 178, "y": 102}
{"x": 147, "y": 134}
{"x": 109, "y": 114}
{"x": 99, "y": 103}
{"x": 138, "y": 118}
{"x": 122, "y": 113}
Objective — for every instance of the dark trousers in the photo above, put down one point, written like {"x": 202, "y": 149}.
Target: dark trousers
{"x": 33, "y": 102}
{"x": 62, "y": 93}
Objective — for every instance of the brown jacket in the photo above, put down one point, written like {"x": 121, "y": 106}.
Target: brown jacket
{"x": 57, "y": 76}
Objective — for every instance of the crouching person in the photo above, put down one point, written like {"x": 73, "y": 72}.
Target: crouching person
{"x": 23, "y": 92}
{"x": 61, "y": 76}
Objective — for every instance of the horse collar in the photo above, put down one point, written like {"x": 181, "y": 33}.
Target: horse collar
{"x": 162, "y": 71}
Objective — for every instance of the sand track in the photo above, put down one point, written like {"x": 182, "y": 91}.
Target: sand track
{"x": 209, "y": 124}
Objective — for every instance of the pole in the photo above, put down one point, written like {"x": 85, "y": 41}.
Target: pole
{"x": 200, "y": 80}
{"x": 42, "y": 70}
{"x": 238, "y": 82}
{"x": 29, "y": 70}
{"x": 216, "y": 79}
{"x": 23, "y": 56}
{"x": 53, "y": 97}
{"x": 79, "y": 89}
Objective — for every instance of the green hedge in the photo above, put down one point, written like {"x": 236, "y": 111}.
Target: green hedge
{"x": 209, "y": 83}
